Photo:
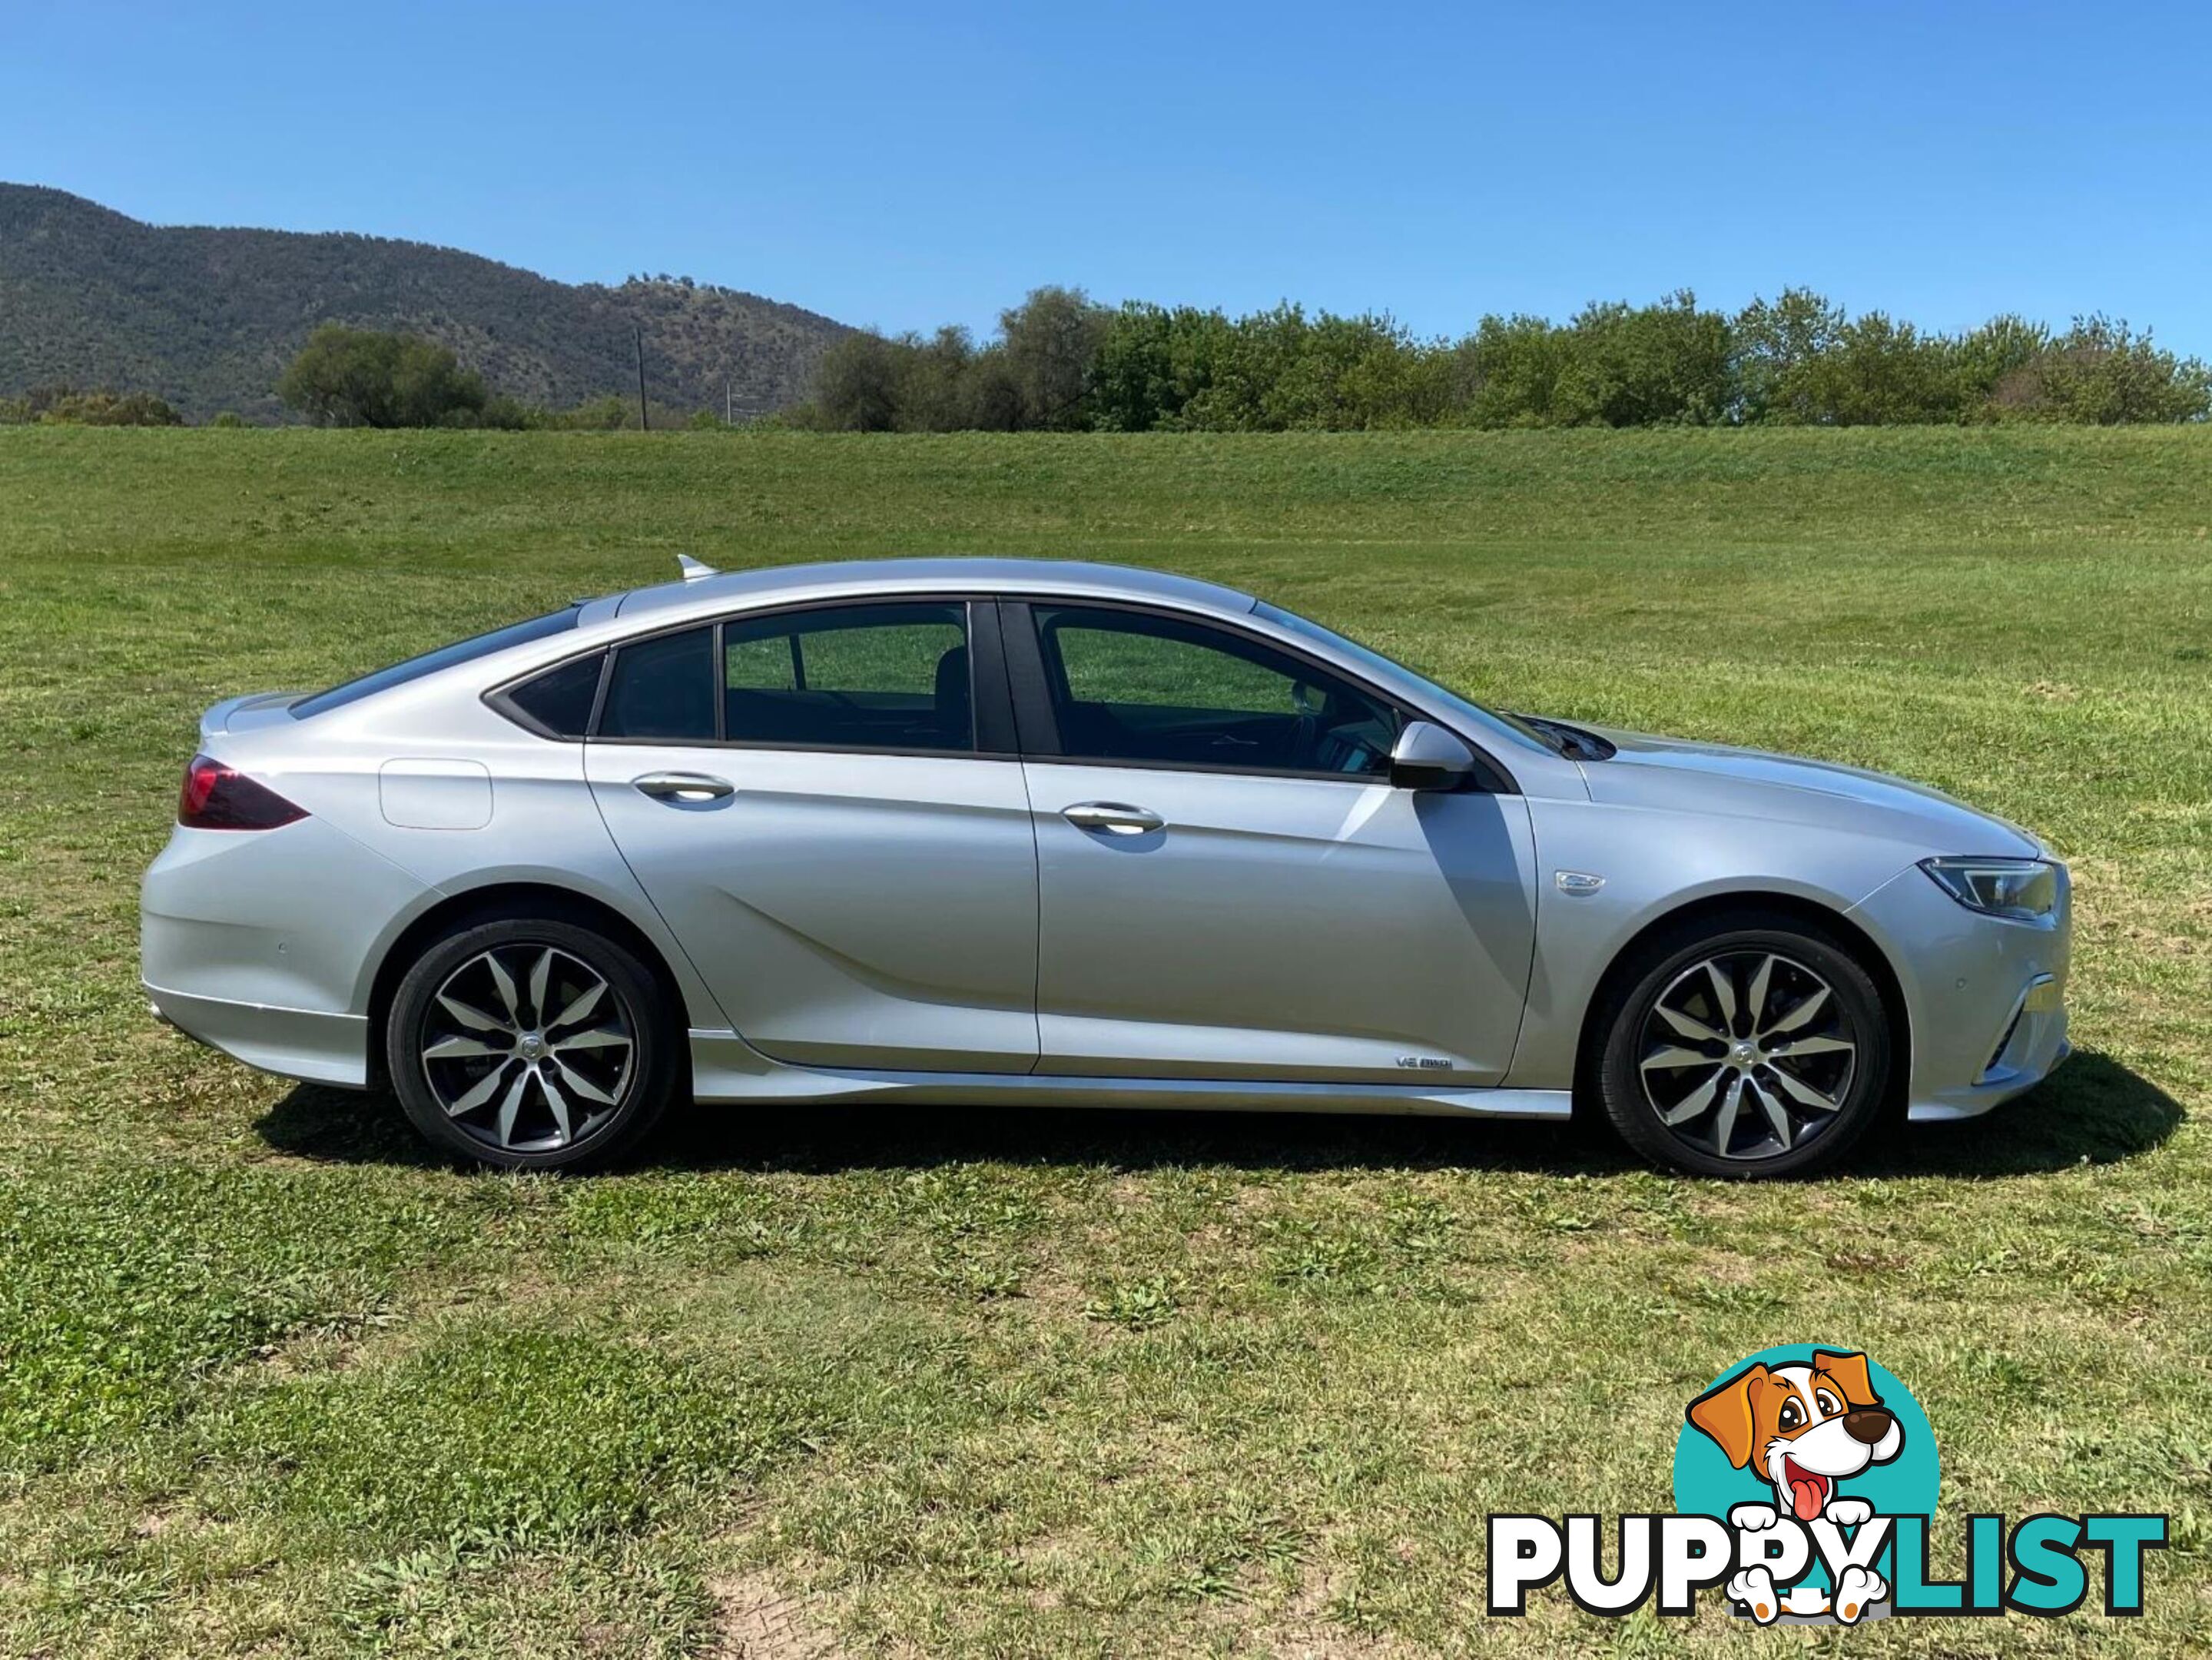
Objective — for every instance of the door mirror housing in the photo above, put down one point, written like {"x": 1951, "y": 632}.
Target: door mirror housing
{"x": 1427, "y": 757}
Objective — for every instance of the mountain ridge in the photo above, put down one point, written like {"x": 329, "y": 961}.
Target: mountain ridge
{"x": 207, "y": 316}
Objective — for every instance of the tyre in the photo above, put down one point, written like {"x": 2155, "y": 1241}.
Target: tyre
{"x": 532, "y": 1044}
{"x": 1752, "y": 1045}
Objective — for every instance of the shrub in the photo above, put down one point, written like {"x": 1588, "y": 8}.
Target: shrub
{"x": 61, "y": 405}
{"x": 2099, "y": 372}
{"x": 856, "y": 388}
{"x": 1049, "y": 343}
{"x": 347, "y": 377}
{"x": 1152, "y": 364}
{"x": 610, "y": 414}
{"x": 1776, "y": 346}
{"x": 505, "y": 414}
{"x": 1509, "y": 372}
{"x": 1645, "y": 366}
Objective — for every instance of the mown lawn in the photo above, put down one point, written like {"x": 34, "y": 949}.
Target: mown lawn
{"x": 272, "y": 1382}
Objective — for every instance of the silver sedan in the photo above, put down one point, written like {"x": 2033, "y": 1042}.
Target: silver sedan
{"x": 981, "y": 831}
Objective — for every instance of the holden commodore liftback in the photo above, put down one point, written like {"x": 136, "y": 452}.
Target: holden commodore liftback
{"x": 985, "y": 831}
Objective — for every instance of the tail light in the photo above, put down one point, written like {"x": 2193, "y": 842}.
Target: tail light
{"x": 216, "y": 797}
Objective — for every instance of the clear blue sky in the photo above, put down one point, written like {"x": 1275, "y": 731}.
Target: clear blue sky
{"x": 908, "y": 165}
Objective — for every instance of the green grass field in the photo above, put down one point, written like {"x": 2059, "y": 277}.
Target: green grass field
{"x": 273, "y": 1383}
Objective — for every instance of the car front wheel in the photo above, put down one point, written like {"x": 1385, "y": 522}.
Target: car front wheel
{"x": 1755, "y": 1046}
{"x": 530, "y": 1044}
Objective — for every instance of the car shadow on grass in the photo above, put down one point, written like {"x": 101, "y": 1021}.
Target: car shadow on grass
{"x": 2093, "y": 1111}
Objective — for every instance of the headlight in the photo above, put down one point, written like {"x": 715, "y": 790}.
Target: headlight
{"x": 2024, "y": 889}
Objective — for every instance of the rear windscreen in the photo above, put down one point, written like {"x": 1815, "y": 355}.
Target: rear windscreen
{"x": 461, "y": 651}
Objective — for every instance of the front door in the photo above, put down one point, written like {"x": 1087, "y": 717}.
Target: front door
{"x": 1229, "y": 885}
{"x": 803, "y": 798}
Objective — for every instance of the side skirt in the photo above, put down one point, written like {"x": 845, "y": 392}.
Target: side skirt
{"x": 726, "y": 1068}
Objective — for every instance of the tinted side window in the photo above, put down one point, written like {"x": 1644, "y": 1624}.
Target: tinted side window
{"x": 560, "y": 700}
{"x": 1131, "y": 687}
{"x": 890, "y": 677}
{"x": 663, "y": 688}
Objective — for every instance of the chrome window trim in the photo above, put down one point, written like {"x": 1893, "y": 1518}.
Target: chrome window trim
{"x": 980, "y": 642}
{"x": 1500, "y": 780}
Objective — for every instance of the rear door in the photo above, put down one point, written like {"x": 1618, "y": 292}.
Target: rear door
{"x": 824, "y": 806}
{"x": 1229, "y": 885}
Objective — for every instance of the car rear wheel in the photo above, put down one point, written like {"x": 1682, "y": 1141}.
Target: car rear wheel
{"x": 530, "y": 1044}
{"x": 1748, "y": 1046}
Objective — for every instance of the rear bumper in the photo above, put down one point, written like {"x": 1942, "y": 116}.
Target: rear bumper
{"x": 259, "y": 944}
{"x": 305, "y": 1044}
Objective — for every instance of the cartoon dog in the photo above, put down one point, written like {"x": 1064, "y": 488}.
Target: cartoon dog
{"x": 1804, "y": 1428}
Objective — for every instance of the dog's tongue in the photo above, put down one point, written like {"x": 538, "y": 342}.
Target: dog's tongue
{"x": 1805, "y": 1498}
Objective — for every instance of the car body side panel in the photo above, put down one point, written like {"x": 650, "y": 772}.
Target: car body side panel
{"x": 1652, "y": 860}
{"x": 1291, "y": 929}
{"x": 542, "y": 829}
{"x": 849, "y": 910}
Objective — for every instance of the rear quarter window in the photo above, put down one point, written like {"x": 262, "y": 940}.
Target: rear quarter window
{"x": 557, "y": 704}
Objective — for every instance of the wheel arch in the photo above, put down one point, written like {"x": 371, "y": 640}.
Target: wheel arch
{"x": 494, "y": 902}
{"x": 1715, "y": 908}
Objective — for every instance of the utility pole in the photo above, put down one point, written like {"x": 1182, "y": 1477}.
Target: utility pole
{"x": 729, "y": 406}
{"x": 644, "y": 423}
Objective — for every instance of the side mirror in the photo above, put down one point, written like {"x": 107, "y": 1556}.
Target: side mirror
{"x": 1427, "y": 757}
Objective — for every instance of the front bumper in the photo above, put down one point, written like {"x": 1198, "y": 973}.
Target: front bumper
{"x": 1986, "y": 998}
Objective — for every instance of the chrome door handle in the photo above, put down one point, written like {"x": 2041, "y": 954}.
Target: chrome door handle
{"x": 684, "y": 787}
{"x": 1115, "y": 817}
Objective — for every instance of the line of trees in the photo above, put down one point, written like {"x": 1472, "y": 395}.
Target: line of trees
{"x": 349, "y": 377}
{"x": 1061, "y": 363}
{"x": 60, "y": 404}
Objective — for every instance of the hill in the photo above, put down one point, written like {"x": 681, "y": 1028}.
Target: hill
{"x": 208, "y": 317}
